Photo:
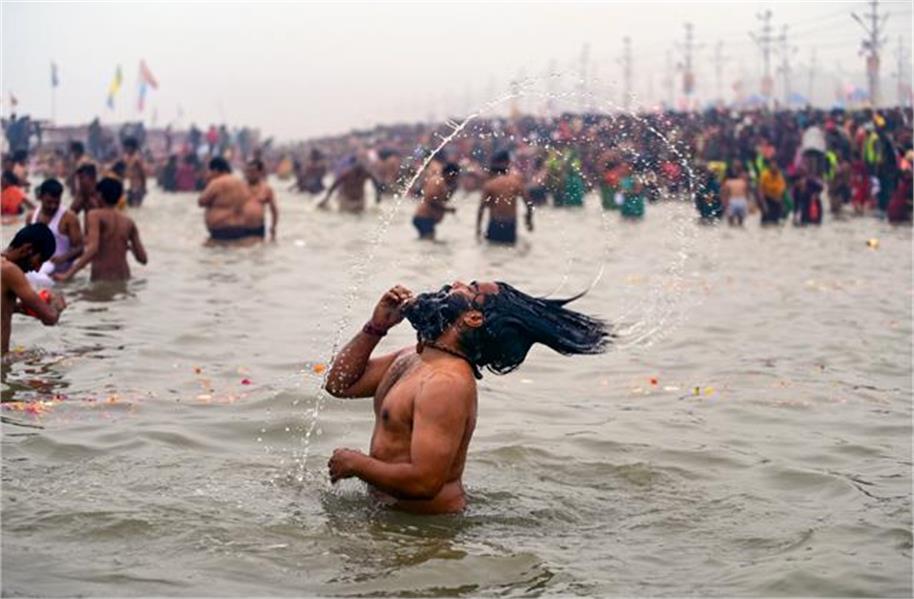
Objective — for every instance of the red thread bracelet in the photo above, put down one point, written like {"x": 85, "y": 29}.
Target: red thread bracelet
{"x": 370, "y": 329}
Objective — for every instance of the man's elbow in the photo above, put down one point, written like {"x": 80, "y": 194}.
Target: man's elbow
{"x": 50, "y": 319}
{"x": 426, "y": 488}
{"x": 337, "y": 390}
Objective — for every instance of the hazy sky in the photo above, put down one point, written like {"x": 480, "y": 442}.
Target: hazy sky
{"x": 296, "y": 70}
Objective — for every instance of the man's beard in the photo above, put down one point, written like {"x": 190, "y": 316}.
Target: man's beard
{"x": 433, "y": 313}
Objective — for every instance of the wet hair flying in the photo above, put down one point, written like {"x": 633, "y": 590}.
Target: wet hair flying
{"x": 514, "y": 321}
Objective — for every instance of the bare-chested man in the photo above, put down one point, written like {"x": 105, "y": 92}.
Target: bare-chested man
{"x": 109, "y": 236}
{"x": 32, "y": 246}
{"x": 734, "y": 193}
{"x": 261, "y": 196}
{"x": 436, "y": 192}
{"x": 86, "y": 196}
{"x": 351, "y": 183}
{"x": 499, "y": 197}
{"x": 387, "y": 170}
{"x": 135, "y": 174}
{"x": 425, "y": 395}
{"x": 224, "y": 199}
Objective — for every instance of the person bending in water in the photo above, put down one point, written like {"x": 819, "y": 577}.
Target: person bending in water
{"x": 436, "y": 192}
{"x": 261, "y": 195}
{"x": 425, "y": 395}
{"x": 499, "y": 196}
{"x": 351, "y": 183}
{"x": 32, "y": 246}
{"x": 223, "y": 200}
{"x": 110, "y": 234}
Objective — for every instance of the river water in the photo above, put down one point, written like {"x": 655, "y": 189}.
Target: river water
{"x": 749, "y": 435}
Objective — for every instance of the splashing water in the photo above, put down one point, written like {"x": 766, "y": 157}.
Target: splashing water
{"x": 642, "y": 321}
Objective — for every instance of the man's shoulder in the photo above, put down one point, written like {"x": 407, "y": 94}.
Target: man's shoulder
{"x": 11, "y": 272}
{"x": 452, "y": 380}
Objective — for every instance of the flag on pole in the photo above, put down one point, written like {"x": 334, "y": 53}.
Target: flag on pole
{"x": 146, "y": 80}
{"x": 147, "y": 76}
{"x": 55, "y": 80}
{"x": 115, "y": 86}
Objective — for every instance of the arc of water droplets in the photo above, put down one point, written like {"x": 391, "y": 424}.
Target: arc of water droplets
{"x": 636, "y": 334}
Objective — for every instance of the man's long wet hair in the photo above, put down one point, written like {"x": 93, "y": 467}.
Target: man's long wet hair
{"x": 513, "y": 321}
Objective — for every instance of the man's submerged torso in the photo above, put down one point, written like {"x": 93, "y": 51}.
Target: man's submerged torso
{"x": 390, "y": 441}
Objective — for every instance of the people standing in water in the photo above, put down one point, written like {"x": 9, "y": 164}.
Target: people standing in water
{"x": 110, "y": 234}
{"x": 313, "y": 173}
{"x": 223, "y": 200}
{"x": 387, "y": 170}
{"x": 135, "y": 173}
{"x": 735, "y": 194}
{"x": 771, "y": 188}
{"x": 86, "y": 198}
{"x": 807, "y": 203}
{"x": 351, "y": 183}
{"x": 77, "y": 160}
{"x": 500, "y": 195}
{"x": 30, "y": 248}
{"x": 436, "y": 192}
{"x": 425, "y": 396}
{"x": 261, "y": 196}
{"x": 63, "y": 224}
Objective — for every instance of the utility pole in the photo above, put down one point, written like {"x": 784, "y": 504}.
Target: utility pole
{"x": 551, "y": 75}
{"x": 719, "y": 60}
{"x": 871, "y": 45}
{"x": 763, "y": 41}
{"x": 785, "y": 50}
{"x": 626, "y": 62}
{"x": 582, "y": 82}
{"x": 688, "y": 75}
{"x": 812, "y": 75}
{"x": 902, "y": 88}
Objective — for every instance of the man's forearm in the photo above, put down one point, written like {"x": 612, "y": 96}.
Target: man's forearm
{"x": 400, "y": 480}
{"x": 349, "y": 364}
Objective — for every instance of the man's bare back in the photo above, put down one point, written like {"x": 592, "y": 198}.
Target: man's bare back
{"x": 351, "y": 184}
{"x": 224, "y": 199}
{"x": 115, "y": 238}
{"x": 736, "y": 187}
{"x": 501, "y": 194}
{"x": 435, "y": 194}
{"x": 110, "y": 235}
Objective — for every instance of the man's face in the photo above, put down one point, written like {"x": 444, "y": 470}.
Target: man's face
{"x": 85, "y": 181}
{"x": 431, "y": 314}
{"x": 252, "y": 173}
{"x": 49, "y": 203}
{"x": 28, "y": 259}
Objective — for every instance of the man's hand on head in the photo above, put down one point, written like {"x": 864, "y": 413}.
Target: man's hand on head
{"x": 389, "y": 311}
